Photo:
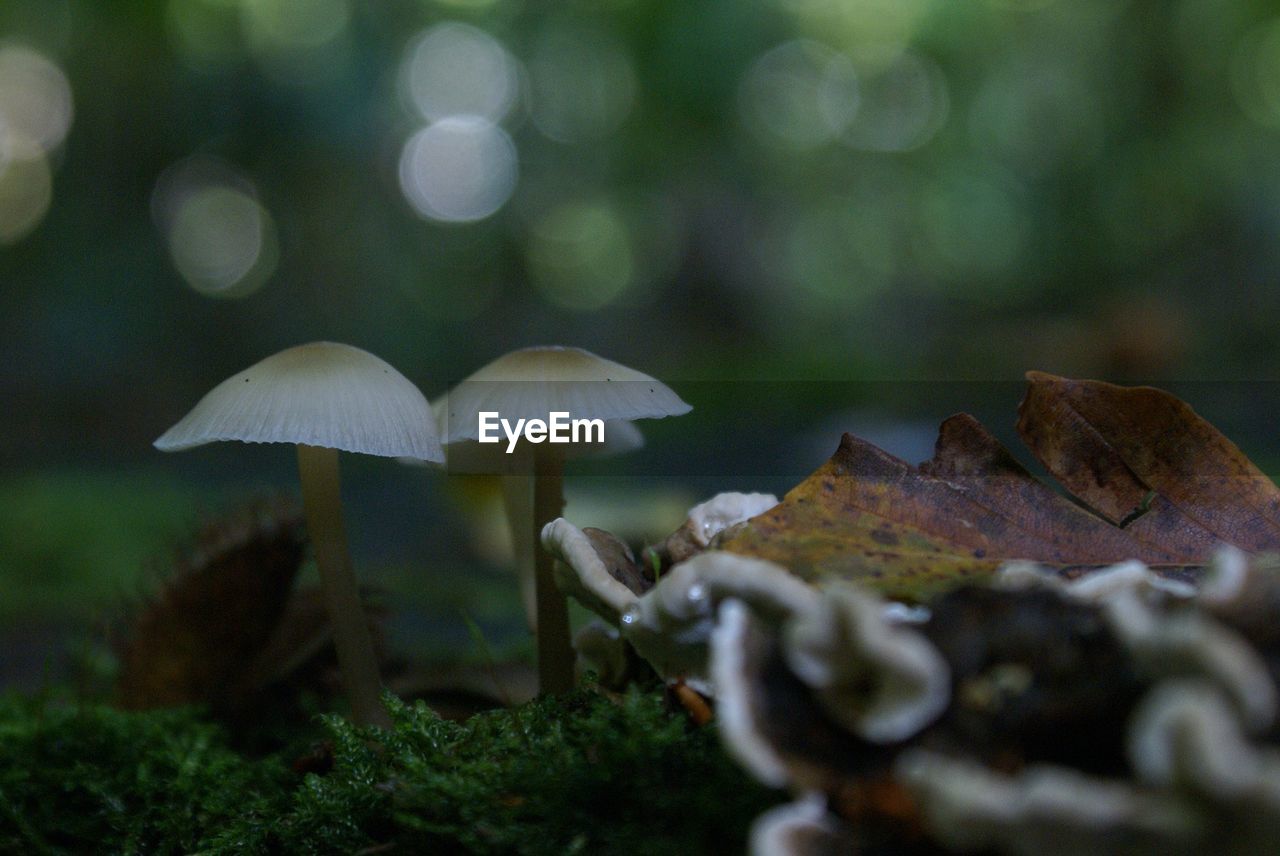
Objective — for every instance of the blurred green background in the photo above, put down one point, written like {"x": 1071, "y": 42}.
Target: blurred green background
{"x": 895, "y": 194}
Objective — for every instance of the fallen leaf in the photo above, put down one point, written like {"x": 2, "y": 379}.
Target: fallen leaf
{"x": 1154, "y": 481}
{"x": 216, "y": 609}
{"x": 1114, "y": 447}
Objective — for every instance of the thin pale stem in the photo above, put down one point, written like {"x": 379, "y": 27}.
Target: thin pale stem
{"x": 321, "y": 499}
{"x": 555, "y": 647}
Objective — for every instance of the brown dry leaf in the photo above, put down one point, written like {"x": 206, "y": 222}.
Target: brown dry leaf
{"x": 215, "y": 612}
{"x": 1111, "y": 446}
{"x": 1136, "y": 456}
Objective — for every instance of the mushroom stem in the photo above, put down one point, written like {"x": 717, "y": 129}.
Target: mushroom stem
{"x": 555, "y": 648}
{"x": 517, "y": 502}
{"x": 321, "y": 500}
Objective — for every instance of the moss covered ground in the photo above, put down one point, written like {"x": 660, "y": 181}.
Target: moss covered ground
{"x": 587, "y": 772}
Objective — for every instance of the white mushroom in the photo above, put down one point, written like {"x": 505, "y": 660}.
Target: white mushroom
{"x": 1187, "y": 736}
{"x": 532, "y": 384}
{"x": 324, "y": 397}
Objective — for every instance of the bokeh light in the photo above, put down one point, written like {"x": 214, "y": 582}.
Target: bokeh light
{"x": 459, "y": 169}
{"x": 1037, "y": 117}
{"x": 35, "y": 97}
{"x": 580, "y": 255}
{"x": 799, "y": 95}
{"x": 298, "y": 42}
{"x": 1255, "y": 74}
{"x": 294, "y": 24}
{"x": 796, "y": 170}
{"x": 220, "y": 238}
{"x": 469, "y": 5}
{"x": 583, "y": 83}
{"x": 974, "y": 230}
{"x": 206, "y": 32}
{"x": 873, "y": 30}
{"x": 904, "y": 104}
{"x": 837, "y": 251}
{"x": 1021, "y": 5}
{"x": 26, "y": 187}
{"x": 292, "y": 41}
{"x": 47, "y": 23}
{"x": 455, "y": 69}
{"x": 454, "y": 277}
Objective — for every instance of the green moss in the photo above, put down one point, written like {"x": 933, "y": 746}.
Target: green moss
{"x": 91, "y": 779}
{"x": 581, "y": 773}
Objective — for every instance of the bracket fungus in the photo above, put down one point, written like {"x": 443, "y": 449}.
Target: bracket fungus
{"x": 528, "y": 387}
{"x": 1186, "y": 733}
{"x": 585, "y": 575}
{"x": 882, "y": 681}
{"x": 671, "y": 626}
{"x": 325, "y": 398}
{"x": 1044, "y": 809}
{"x": 706, "y": 521}
{"x": 1125, "y": 708}
{"x": 799, "y": 828}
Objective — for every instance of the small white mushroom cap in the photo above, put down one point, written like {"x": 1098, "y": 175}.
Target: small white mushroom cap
{"x": 881, "y": 680}
{"x": 321, "y": 394}
{"x": 533, "y": 382}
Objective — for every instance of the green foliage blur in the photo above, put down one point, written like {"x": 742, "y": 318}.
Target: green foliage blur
{"x": 712, "y": 189}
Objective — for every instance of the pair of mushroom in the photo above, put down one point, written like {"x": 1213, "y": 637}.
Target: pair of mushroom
{"x": 326, "y": 397}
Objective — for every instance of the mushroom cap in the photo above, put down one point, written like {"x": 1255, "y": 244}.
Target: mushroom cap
{"x": 532, "y": 382}
{"x": 321, "y": 394}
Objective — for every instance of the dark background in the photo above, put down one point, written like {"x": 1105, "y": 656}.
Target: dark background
{"x": 807, "y": 216}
